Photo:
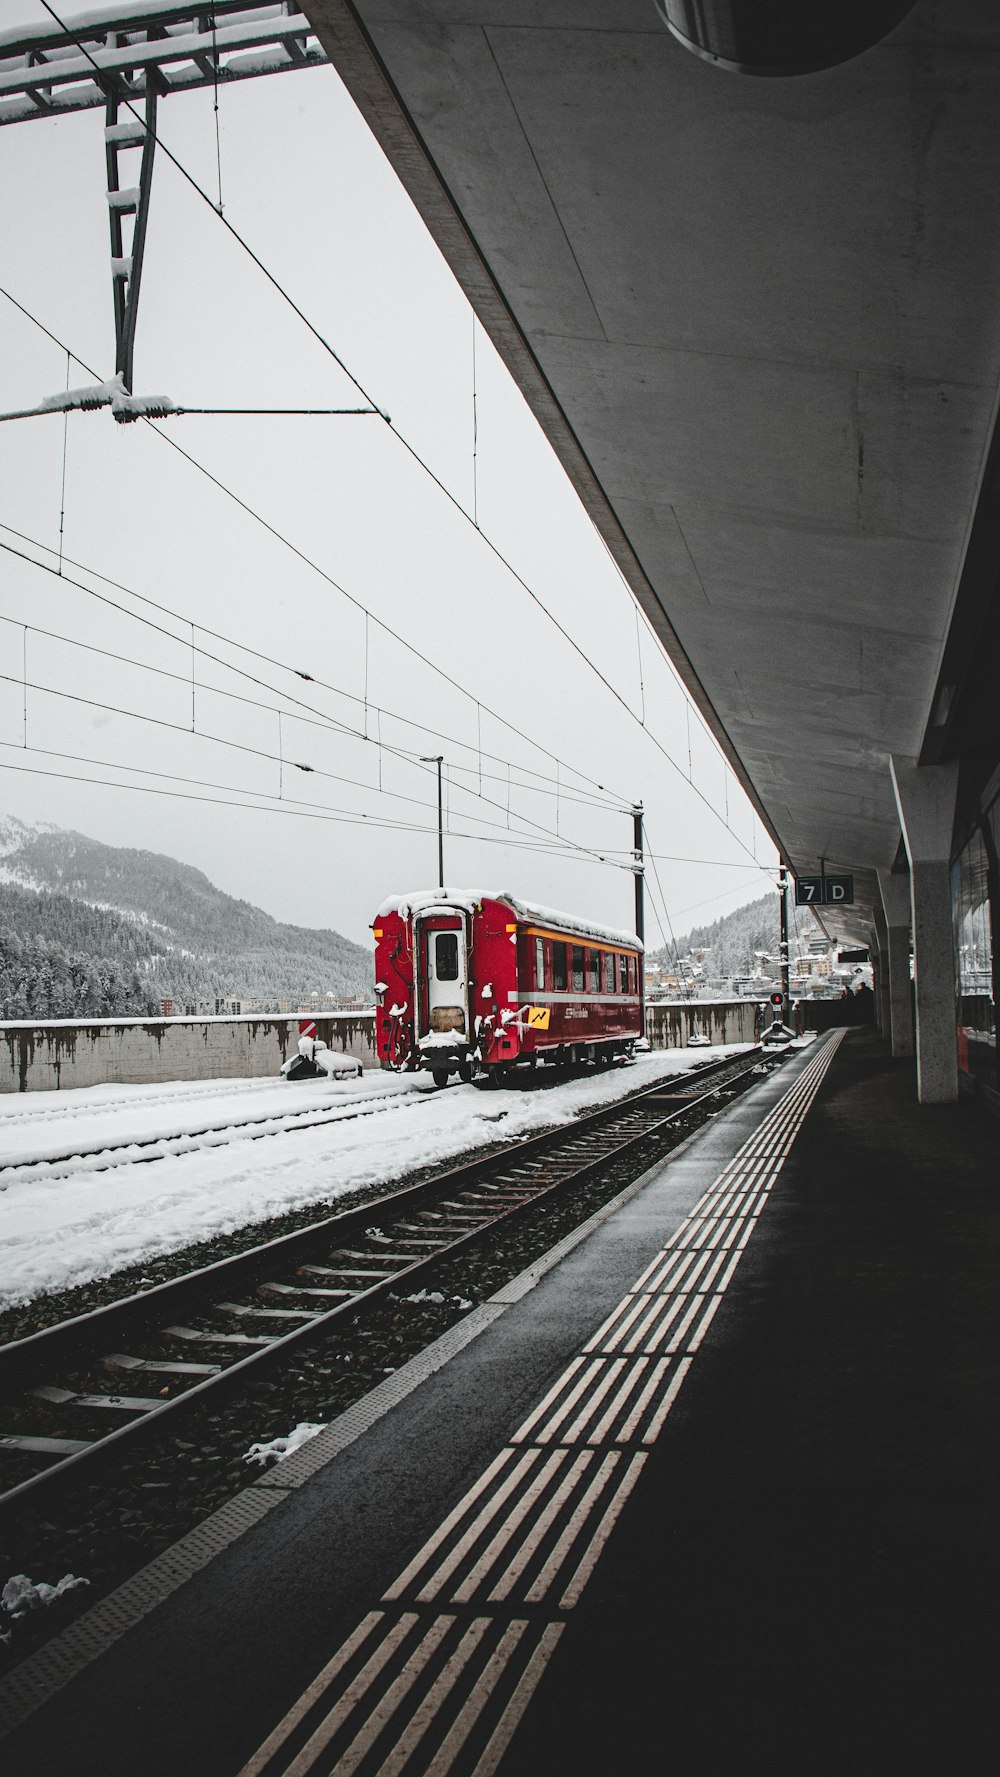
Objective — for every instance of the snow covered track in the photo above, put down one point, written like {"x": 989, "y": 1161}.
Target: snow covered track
{"x": 34, "y": 1110}
{"x": 38, "y": 1145}
{"x": 50, "y": 1158}
{"x": 296, "y": 1288}
{"x": 80, "y": 1219}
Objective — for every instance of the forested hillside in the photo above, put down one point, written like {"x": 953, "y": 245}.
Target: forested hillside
{"x": 735, "y": 937}
{"x": 56, "y": 962}
{"x": 88, "y": 929}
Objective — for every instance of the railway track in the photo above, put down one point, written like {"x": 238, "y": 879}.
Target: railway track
{"x": 62, "y": 1159}
{"x": 100, "y": 1156}
{"x": 106, "y": 1102}
{"x": 219, "y": 1329}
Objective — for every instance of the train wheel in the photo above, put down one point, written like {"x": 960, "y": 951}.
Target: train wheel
{"x": 465, "y": 1072}
{"x": 440, "y": 1076}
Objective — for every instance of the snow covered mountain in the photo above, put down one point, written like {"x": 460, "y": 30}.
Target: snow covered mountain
{"x": 148, "y": 927}
{"x": 731, "y": 942}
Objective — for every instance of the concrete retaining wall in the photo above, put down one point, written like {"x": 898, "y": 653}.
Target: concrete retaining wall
{"x": 724, "y": 1021}
{"x": 137, "y": 1051}
{"x": 103, "y": 1051}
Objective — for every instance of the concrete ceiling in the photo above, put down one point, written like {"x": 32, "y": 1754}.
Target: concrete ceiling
{"x": 758, "y": 319}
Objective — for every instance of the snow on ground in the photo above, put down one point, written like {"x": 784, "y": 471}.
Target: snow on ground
{"x": 279, "y": 1448}
{"x": 21, "y": 1595}
{"x": 56, "y": 1232}
{"x": 91, "y": 1119}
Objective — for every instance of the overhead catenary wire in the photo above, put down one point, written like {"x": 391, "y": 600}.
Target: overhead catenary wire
{"x": 475, "y": 432}
{"x": 662, "y": 655}
{"x": 329, "y": 579}
{"x": 215, "y": 96}
{"x": 583, "y": 854}
{"x": 41, "y": 413}
{"x": 471, "y": 519}
{"x": 278, "y": 758}
{"x": 503, "y": 721}
{"x": 661, "y": 652}
{"x": 62, "y": 489}
{"x": 456, "y": 685}
{"x": 663, "y": 901}
{"x": 707, "y": 900}
{"x": 638, "y": 651}
{"x": 322, "y": 721}
{"x": 316, "y": 718}
{"x": 252, "y": 801}
{"x": 307, "y": 560}
{"x": 282, "y": 666}
{"x": 667, "y": 857}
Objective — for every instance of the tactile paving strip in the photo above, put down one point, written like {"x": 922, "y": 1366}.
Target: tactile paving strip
{"x": 434, "y": 1682}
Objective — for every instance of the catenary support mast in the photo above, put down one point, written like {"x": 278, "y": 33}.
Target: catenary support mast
{"x": 640, "y": 910}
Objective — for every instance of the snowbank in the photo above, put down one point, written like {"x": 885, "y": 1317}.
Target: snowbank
{"x": 56, "y": 1232}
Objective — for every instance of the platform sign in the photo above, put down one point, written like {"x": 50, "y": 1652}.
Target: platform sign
{"x": 824, "y": 891}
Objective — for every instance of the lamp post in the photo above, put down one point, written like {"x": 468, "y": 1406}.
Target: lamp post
{"x": 438, "y": 760}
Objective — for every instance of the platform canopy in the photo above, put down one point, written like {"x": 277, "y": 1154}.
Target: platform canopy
{"x": 758, "y": 319}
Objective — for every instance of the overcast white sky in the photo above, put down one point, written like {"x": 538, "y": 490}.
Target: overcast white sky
{"x": 306, "y": 185}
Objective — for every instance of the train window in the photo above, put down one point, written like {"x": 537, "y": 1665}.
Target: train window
{"x": 623, "y": 974}
{"x": 539, "y": 962}
{"x": 593, "y": 971}
{"x": 559, "y": 967}
{"x": 446, "y": 956}
{"x": 631, "y": 974}
{"x": 609, "y": 972}
{"x": 578, "y": 968}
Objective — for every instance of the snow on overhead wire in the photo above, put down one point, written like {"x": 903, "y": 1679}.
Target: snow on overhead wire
{"x": 113, "y": 394}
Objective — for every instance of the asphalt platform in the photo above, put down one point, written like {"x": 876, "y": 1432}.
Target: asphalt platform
{"x": 753, "y": 1525}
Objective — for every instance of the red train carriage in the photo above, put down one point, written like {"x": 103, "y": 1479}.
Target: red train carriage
{"x": 475, "y": 983}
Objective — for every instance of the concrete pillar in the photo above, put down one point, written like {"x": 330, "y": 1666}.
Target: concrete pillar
{"x": 896, "y": 901}
{"x": 925, "y": 797}
{"x": 880, "y": 973}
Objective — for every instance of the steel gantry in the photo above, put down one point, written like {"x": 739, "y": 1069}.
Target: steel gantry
{"x": 126, "y": 61}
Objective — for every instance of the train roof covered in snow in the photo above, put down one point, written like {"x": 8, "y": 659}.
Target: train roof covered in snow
{"x": 466, "y": 900}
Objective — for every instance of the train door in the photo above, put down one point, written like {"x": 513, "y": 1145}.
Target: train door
{"x": 446, "y": 976}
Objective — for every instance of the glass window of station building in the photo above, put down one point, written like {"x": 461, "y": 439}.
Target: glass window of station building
{"x": 975, "y": 894}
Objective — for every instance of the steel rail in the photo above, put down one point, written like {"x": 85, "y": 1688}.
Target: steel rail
{"x": 237, "y": 1268}
{"x": 286, "y": 1123}
{"x": 23, "y": 1357}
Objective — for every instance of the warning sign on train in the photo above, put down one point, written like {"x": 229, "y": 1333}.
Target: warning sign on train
{"x": 538, "y": 1017}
